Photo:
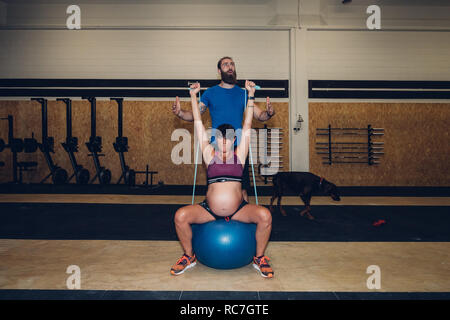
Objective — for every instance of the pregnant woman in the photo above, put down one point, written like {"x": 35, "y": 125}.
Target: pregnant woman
{"x": 224, "y": 200}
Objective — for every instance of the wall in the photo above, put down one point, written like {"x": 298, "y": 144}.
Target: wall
{"x": 142, "y": 54}
{"x": 417, "y": 146}
{"x": 147, "y": 124}
{"x": 416, "y": 136}
{"x": 270, "y": 39}
{"x": 379, "y": 55}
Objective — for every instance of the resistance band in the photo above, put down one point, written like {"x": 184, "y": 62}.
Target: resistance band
{"x": 250, "y": 148}
{"x": 196, "y": 159}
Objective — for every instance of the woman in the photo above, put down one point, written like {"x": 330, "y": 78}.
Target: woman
{"x": 224, "y": 196}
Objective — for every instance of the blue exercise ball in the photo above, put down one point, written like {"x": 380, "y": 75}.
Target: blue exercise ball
{"x": 222, "y": 244}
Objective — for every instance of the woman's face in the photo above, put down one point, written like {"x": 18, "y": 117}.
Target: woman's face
{"x": 225, "y": 145}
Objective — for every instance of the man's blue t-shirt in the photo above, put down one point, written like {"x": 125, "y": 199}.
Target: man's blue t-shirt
{"x": 225, "y": 106}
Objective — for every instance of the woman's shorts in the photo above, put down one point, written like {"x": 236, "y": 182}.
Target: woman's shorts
{"x": 205, "y": 205}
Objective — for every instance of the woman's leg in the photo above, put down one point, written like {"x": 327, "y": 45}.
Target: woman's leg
{"x": 260, "y": 215}
{"x": 184, "y": 217}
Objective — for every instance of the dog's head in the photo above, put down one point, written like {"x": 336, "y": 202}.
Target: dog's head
{"x": 331, "y": 190}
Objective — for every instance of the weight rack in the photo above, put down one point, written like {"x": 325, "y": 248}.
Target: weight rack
{"x": 272, "y": 160}
{"x": 340, "y": 151}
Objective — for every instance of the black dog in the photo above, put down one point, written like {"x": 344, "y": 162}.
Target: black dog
{"x": 303, "y": 184}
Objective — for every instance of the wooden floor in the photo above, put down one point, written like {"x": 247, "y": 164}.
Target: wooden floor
{"x": 298, "y": 266}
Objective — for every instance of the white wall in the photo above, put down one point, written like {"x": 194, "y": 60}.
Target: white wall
{"x": 172, "y": 13}
{"x": 378, "y": 55}
{"x": 360, "y": 55}
{"x": 416, "y": 14}
{"x": 142, "y": 54}
{"x": 183, "y": 39}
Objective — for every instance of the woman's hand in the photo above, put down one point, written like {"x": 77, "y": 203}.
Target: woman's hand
{"x": 250, "y": 86}
{"x": 194, "y": 89}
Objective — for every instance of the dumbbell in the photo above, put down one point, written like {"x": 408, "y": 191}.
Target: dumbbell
{"x": 30, "y": 145}
{"x": 16, "y": 145}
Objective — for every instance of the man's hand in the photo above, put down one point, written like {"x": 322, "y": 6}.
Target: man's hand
{"x": 269, "y": 109}
{"x": 176, "y": 108}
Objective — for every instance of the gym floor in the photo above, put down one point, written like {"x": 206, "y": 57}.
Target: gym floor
{"x": 125, "y": 244}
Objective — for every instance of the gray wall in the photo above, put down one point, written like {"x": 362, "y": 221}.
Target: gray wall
{"x": 269, "y": 39}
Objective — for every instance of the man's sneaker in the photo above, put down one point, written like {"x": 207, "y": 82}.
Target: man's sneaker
{"x": 184, "y": 263}
{"x": 262, "y": 265}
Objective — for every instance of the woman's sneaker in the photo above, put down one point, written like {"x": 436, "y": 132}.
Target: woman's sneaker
{"x": 184, "y": 263}
{"x": 262, "y": 265}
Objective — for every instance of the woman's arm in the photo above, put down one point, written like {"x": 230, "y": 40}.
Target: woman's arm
{"x": 199, "y": 128}
{"x": 242, "y": 148}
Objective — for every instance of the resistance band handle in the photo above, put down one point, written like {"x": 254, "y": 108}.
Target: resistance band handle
{"x": 256, "y": 88}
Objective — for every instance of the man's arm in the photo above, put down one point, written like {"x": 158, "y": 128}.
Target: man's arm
{"x": 186, "y": 115}
{"x": 262, "y": 116}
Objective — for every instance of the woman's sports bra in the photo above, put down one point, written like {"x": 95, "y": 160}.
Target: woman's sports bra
{"x": 220, "y": 171}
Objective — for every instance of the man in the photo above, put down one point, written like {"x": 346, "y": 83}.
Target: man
{"x": 226, "y": 103}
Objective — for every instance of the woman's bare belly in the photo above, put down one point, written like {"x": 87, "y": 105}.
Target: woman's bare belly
{"x": 224, "y": 197}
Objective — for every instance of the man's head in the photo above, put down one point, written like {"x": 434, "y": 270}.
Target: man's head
{"x": 227, "y": 70}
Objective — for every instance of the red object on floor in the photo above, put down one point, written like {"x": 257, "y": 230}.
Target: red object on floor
{"x": 379, "y": 223}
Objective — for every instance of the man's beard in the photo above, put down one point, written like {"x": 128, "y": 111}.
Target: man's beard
{"x": 228, "y": 78}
